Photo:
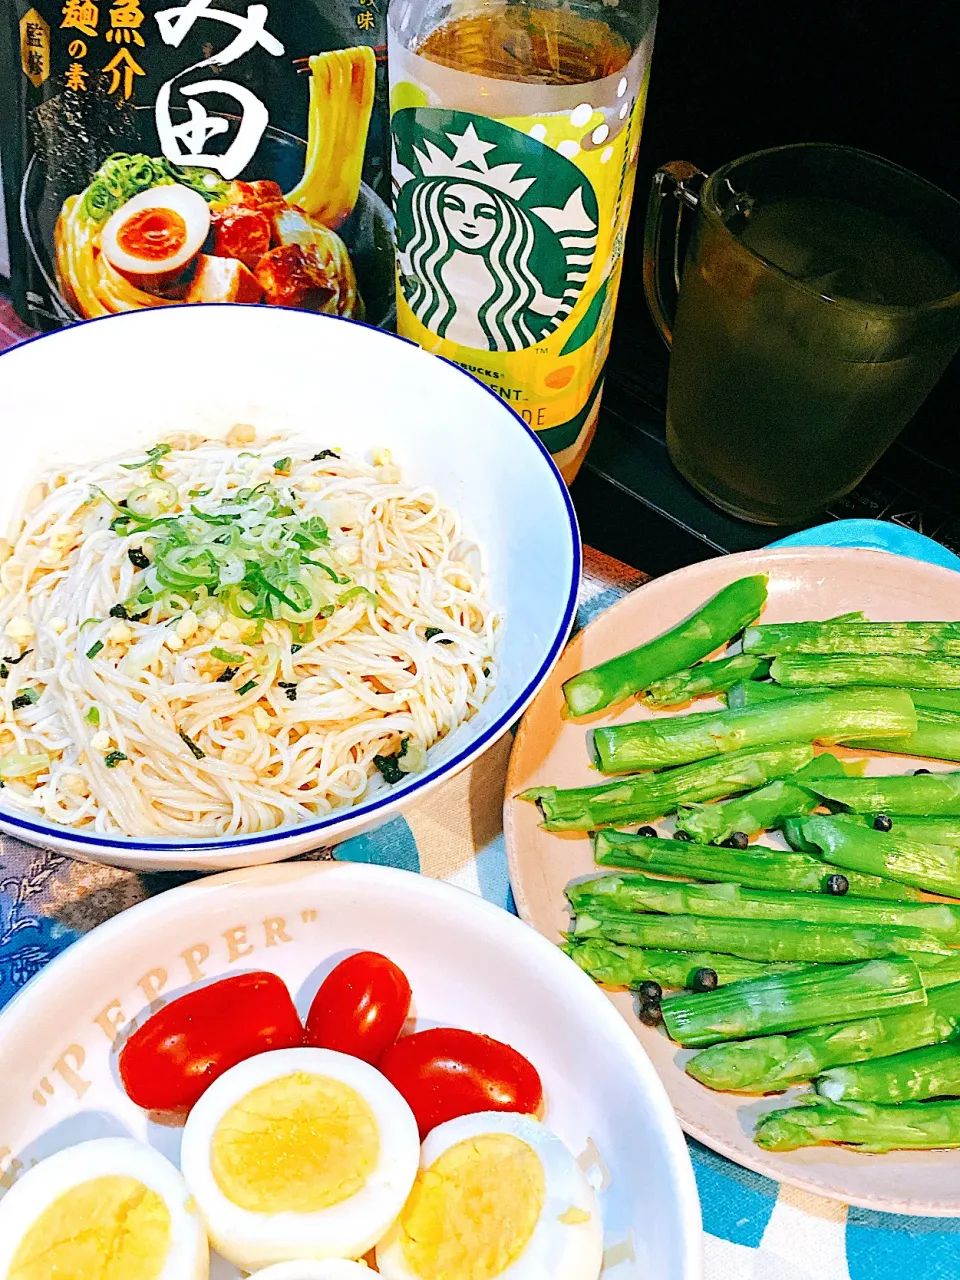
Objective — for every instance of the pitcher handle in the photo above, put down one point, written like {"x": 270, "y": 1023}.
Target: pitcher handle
{"x": 683, "y": 181}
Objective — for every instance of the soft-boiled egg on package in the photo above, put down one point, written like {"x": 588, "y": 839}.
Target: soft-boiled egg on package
{"x": 299, "y": 1153}
{"x": 107, "y": 1207}
{"x": 497, "y": 1195}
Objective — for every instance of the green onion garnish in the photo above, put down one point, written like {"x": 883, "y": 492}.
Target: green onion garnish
{"x": 360, "y": 593}
{"x": 283, "y": 466}
{"x": 119, "y": 611}
{"x": 25, "y": 698}
{"x": 245, "y": 688}
{"x": 152, "y": 460}
{"x": 222, "y": 655}
{"x": 195, "y": 751}
{"x": 93, "y": 716}
{"x": 113, "y": 758}
{"x": 94, "y": 648}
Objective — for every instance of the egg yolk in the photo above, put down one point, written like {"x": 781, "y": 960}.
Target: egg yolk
{"x": 111, "y": 1228}
{"x": 297, "y": 1144}
{"x": 472, "y": 1213}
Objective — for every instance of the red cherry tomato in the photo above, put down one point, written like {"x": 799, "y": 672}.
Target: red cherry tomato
{"x": 360, "y": 1008}
{"x": 177, "y": 1054}
{"x": 446, "y": 1072}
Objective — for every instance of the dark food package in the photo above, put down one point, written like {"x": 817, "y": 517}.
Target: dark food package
{"x": 203, "y": 151}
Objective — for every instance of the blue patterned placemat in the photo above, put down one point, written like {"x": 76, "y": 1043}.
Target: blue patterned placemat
{"x": 754, "y": 1229}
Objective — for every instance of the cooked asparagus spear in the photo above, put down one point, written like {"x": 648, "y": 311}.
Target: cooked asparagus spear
{"x": 937, "y": 971}
{"x": 750, "y": 693}
{"x": 647, "y": 796}
{"x": 913, "y": 1076}
{"x": 944, "y": 830}
{"x": 641, "y": 893}
{"x": 808, "y": 997}
{"x": 619, "y": 966}
{"x": 869, "y": 1126}
{"x": 938, "y": 638}
{"x": 756, "y": 867}
{"x": 770, "y": 1064}
{"x": 937, "y": 737}
{"x": 824, "y": 717}
{"x": 704, "y": 679}
{"x": 760, "y": 810}
{"x": 888, "y": 671}
{"x": 934, "y": 867}
{"x": 928, "y": 793}
{"x": 782, "y": 941}
{"x": 716, "y": 622}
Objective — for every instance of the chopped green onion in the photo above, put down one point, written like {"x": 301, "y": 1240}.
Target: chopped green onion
{"x": 25, "y": 698}
{"x": 93, "y": 716}
{"x": 283, "y": 466}
{"x": 113, "y": 758}
{"x": 436, "y": 631}
{"x": 360, "y": 593}
{"x": 119, "y": 611}
{"x": 245, "y": 688}
{"x": 94, "y": 648}
{"x": 197, "y": 752}
{"x": 4, "y": 671}
{"x": 18, "y": 765}
{"x": 152, "y": 460}
{"x": 222, "y": 655}
{"x": 152, "y": 500}
{"x": 198, "y": 493}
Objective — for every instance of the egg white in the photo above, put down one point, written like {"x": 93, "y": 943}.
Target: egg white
{"x": 556, "y": 1249}
{"x": 34, "y": 1193}
{"x": 345, "y": 1230}
{"x": 331, "y": 1269}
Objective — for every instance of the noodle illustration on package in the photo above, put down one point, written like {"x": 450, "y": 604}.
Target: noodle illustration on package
{"x": 202, "y": 151}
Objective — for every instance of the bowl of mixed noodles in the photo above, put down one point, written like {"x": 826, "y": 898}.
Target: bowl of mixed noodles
{"x": 268, "y": 577}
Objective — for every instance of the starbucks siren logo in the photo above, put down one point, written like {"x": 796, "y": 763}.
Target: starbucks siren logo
{"x": 496, "y": 232}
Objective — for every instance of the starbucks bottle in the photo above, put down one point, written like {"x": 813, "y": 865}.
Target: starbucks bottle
{"x": 515, "y": 134}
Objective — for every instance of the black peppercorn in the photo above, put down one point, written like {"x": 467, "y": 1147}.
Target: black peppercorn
{"x": 738, "y": 840}
{"x": 704, "y": 980}
{"x": 837, "y": 884}
{"x": 882, "y": 822}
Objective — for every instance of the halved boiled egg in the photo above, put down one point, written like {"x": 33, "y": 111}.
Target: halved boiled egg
{"x": 156, "y": 233}
{"x": 110, "y": 1207}
{"x": 299, "y": 1153}
{"x": 497, "y": 1195}
{"x": 331, "y": 1269}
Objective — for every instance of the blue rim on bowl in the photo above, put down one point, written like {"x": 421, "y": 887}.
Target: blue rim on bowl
{"x": 377, "y": 802}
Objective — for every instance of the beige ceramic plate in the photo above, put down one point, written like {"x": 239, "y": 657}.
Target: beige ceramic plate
{"x": 804, "y": 584}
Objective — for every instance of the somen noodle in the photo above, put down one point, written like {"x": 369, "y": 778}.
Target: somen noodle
{"x": 208, "y": 639}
